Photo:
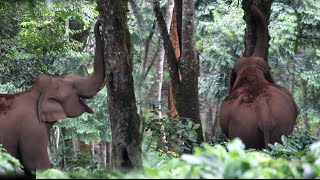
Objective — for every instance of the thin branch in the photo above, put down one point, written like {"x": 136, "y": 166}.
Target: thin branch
{"x": 152, "y": 61}
{"x": 147, "y": 46}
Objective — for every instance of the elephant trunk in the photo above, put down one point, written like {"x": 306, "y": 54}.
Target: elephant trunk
{"x": 261, "y": 33}
{"x": 89, "y": 86}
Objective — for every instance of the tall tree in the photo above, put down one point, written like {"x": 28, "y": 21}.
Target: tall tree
{"x": 125, "y": 121}
{"x": 184, "y": 75}
{"x": 176, "y": 41}
{"x": 169, "y": 10}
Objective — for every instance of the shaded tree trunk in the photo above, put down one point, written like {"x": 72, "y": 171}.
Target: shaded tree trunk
{"x": 213, "y": 129}
{"x": 75, "y": 144}
{"x": 176, "y": 46}
{"x": 304, "y": 116}
{"x": 104, "y": 153}
{"x": 65, "y": 142}
{"x": 250, "y": 31}
{"x": 210, "y": 119}
{"x": 188, "y": 99}
{"x": 159, "y": 80}
{"x": 184, "y": 87}
{"x": 125, "y": 121}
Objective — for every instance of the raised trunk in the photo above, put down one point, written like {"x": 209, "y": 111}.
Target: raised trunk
{"x": 261, "y": 33}
{"x": 89, "y": 86}
{"x": 250, "y": 31}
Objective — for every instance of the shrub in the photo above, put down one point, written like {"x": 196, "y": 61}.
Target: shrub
{"x": 9, "y": 165}
{"x": 295, "y": 146}
{"x": 208, "y": 162}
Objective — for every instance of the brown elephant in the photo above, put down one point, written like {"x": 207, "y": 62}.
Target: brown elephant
{"x": 256, "y": 109}
{"x": 26, "y": 117}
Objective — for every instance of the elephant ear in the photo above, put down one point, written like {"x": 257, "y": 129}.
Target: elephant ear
{"x": 49, "y": 109}
{"x": 269, "y": 77}
{"x": 232, "y": 79}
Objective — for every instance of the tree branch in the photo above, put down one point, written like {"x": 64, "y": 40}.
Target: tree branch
{"x": 171, "y": 58}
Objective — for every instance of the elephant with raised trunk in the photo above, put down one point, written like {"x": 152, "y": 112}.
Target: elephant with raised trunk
{"x": 256, "y": 110}
{"x": 26, "y": 117}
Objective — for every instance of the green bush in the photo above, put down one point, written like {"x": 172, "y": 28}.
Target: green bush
{"x": 175, "y": 135}
{"x": 208, "y": 162}
{"x": 52, "y": 174}
{"x": 295, "y": 146}
{"x": 8, "y": 164}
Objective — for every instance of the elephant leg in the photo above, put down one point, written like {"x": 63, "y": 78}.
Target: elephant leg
{"x": 251, "y": 137}
{"x": 34, "y": 155}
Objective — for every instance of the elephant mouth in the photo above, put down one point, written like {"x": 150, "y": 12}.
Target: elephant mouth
{"x": 84, "y": 103}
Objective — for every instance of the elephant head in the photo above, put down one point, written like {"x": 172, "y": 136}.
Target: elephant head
{"x": 250, "y": 69}
{"x": 66, "y": 96}
{"x": 256, "y": 109}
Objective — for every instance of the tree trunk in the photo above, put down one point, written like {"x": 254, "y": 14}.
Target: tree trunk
{"x": 208, "y": 120}
{"x": 188, "y": 102}
{"x": 250, "y": 31}
{"x": 217, "y": 131}
{"x": 103, "y": 147}
{"x": 184, "y": 76}
{"x": 168, "y": 18}
{"x": 75, "y": 144}
{"x": 176, "y": 46}
{"x": 303, "y": 102}
{"x": 109, "y": 154}
{"x": 162, "y": 141}
{"x": 211, "y": 119}
{"x": 65, "y": 149}
{"x": 125, "y": 121}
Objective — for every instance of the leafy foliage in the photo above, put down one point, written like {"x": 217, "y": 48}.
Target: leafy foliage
{"x": 8, "y": 164}
{"x": 293, "y": 54}
{"x": 295, "y": 146}
{"x": 222, "y": 45}
{"x": 171, "y": 135}
{"x": 220, "y": 162}
{"x": 42, "y": 42}
{"x": 86, "y": 128}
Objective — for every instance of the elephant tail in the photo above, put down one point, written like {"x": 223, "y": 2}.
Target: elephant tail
{"x": 266, "y": 137}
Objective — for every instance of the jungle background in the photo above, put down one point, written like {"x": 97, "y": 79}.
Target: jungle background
{"x": 56, "y": 37}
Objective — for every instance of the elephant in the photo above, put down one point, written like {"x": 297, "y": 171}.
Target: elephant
{"x": 256, "y": 109}
{"x": 26, "y": 117}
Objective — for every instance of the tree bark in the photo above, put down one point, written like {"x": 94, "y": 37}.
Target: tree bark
{"x": 176, "y": 46}
{"x": 184, "y": 76}
{"x": 211, "y": 119}
{"x": 75, "y": 145}
{"x": 159, "y": 80}
{"x": 103, "y": 146}
{"x": 125, "y": 121}
{"x": 189, "y": 69}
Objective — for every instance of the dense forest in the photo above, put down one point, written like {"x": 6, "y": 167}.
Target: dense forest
{"x": 167, "y": 67}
